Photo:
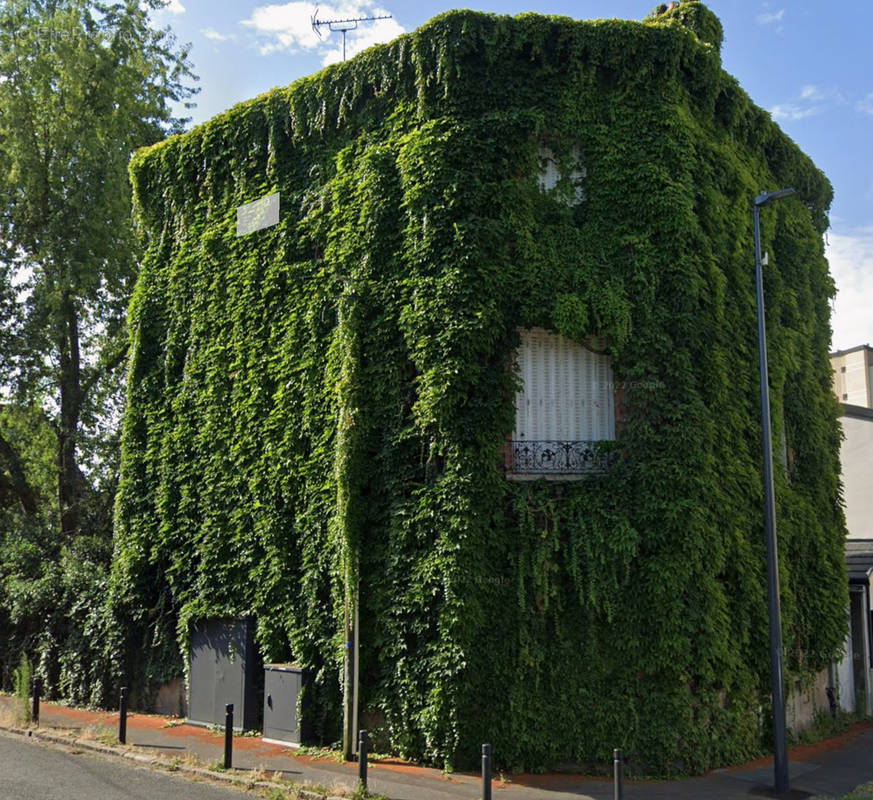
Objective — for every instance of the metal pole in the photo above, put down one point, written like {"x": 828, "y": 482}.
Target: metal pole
{"x": 350, "y": 668}
{"x": 228, "y": 736}
{"x": 780, "y": 746}
{"x": 617, "y": 776}
{"x": 363, "y": 747}
{"x": 34, "y": 711}
{"x": 356, "y": 675}
{"x": 486, "y": 772}
{"x": 122, "y": 716}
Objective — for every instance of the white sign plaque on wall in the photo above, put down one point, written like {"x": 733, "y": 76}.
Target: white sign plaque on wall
{"x": 258, "y": 214}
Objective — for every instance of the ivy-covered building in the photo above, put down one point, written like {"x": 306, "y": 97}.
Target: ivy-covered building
{"x": 491, "y": 380}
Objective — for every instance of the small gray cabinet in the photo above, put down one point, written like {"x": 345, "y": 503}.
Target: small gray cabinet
{"x": 282, "y": 686}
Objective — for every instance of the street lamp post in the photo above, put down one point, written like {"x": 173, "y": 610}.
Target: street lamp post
{"x": 780, "y": 747}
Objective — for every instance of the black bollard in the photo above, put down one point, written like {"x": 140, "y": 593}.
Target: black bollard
{"x": 34, "y": 711}
{"x": 228, "y": 736}
{"x": 363, "y": 747}
{"x": 617, "y": 786}
{"x": 122, "y": 716}
{"x": 486, "y": 772}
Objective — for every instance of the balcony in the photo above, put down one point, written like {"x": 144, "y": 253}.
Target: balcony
{"x": 557, "y": 458}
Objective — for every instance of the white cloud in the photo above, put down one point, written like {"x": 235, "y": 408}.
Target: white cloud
{"x": 174, "y": 7}
{"x": 791, "y": 111}
{"x": 851, "y": 260}
{"x": 865, "y": 106}
{"x": 819, "y": 93}
{"x": 285, "y": 26}
{"x": 215, "y": 36}
{"x": 810, "y": 100}
{"x": 770, "y": 17}
{"x": 288, "y": 27}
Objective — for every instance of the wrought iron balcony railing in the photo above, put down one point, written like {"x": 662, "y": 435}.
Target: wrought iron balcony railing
{"x": 558, "y": 458}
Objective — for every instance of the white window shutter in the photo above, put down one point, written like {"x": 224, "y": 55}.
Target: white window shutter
{"x": 549, "y": 175}
{"x": 551, "y": 359}
{"x": 566, "y": 393}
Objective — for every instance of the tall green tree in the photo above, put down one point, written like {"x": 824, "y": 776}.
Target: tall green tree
{"x": 82, "y": 85}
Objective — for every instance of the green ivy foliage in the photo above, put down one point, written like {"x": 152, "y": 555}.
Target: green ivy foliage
{"x": 319, "y": 407}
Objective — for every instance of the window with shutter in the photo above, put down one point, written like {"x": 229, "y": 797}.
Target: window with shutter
{"x": 564, "y": 408}
{"x": 550, "y": 175}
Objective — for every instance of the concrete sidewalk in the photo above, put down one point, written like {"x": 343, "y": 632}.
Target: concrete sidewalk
{"x": 832, "y": 767}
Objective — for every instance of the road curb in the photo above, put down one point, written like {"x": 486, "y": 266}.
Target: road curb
{"x": 159, "y": 762}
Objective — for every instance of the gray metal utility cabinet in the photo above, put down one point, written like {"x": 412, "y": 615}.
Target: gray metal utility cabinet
{"x": 283, "y": 684}
{"x": 223, "y": 670}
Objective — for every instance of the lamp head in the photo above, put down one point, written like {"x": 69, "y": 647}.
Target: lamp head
{"x": 765, "y": 198}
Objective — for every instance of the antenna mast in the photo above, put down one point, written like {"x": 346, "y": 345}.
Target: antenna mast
{"x": 341, "y": 25}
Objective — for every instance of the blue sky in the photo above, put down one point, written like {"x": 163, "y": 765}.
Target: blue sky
{"x": 808, "y": 63}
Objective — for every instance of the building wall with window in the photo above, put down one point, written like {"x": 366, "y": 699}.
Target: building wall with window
{"x": 855, "y": 671}
{"x": 852, "y": 380}
{"x": 856, "y": 458}
{"x": 489, "y": 388}
{"x": 853, "y": 375}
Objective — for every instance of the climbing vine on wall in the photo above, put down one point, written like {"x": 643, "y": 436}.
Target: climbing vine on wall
{"x": 325, "y": 401}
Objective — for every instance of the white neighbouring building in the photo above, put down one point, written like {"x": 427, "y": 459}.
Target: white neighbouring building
{"x": 853, "y": 375}
{"x": 853, "y": 387}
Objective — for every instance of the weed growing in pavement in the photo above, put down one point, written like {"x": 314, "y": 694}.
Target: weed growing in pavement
{"x": 275, "y": 793}
{"x": 218, "y": 730}
{"x": 318, "y": 753}
{"x": 8, "y": 718}
{"x": 100, "y": 733}
{"x": 362, "y": 793}
{"x": 824, "y": 726}
{"x": 173, "y": 723}
{"x": 217, "y": 765}
{"x": 254, "y": 777}
{"x": 187, "y": 760}
{"x": 862, "y": 792}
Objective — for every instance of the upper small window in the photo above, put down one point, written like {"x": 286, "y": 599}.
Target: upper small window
{"x": 565, "y": 407}
{"x": 550, "y": 176}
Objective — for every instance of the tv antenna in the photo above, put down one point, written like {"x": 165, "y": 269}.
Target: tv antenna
{"x": 341, "y": 25}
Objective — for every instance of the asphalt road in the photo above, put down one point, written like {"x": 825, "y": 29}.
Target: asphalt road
{"x": 30, "y": 770}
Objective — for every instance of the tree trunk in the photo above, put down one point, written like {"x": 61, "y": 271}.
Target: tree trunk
{"x": 69, "y": 485}
{"x": 14, "y": 482}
